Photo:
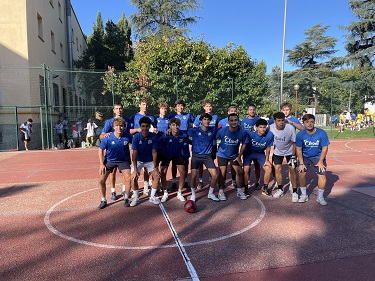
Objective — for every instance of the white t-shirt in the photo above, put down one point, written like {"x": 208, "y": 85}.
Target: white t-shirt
{"x": 283, "y": 139}
{"x": 91, "y": 129}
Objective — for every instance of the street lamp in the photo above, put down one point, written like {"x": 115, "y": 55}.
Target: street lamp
{"x": 296, "y": 88}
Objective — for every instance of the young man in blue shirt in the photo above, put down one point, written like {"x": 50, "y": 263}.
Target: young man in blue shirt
{"x": 115, "y": 149}
{"x": 202, "y": 138}
{"x": 312, "y": 148}
{"x": 145, "y": 156}
{"x": 261, "y": 143}
{"x": 118, "y": 111}
{"x": 231, "y": 138}
{"x": 171, "y": 146}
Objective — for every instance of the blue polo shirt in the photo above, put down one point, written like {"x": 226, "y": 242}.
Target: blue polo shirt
{"x": 185, "y": 118}
{"x": 171, "y": 146}
{"x": 134, "y": 120}
{"x": 117, "y": 149}
{"x": 202, "y": 140}
{"x": 144, "y": 146}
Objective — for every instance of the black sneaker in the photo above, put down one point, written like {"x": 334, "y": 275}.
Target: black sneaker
{"x": 102, "y": 204}
{"x": 267, "y": 192}
{"x": 257, "y": 186}
{"x": 186, "y": 185}
{"x": 174, "y": 186}
{"x": 126, "y": 202}
{"x": 246, "y": 192}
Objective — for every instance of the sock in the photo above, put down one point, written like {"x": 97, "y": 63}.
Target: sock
{"x": 211, "y": 190}
{"x": 303, "y": 190}
{"x": 320, "y": 193}
{"x": 103, "y": 199}
{"x": 265, "y": 186}
{"x": 153, "y": 192}
{"x": 165, "y": 192}
{"x": 123, "y": 187}
{"x": 186, "y": 180}
{"x": 145, "y": 184}
{"x": 179, "y": 192}
{"x": 193, "y": 192}
{"x": 239, "y": 189}
{"x": 233, "y": 177}
{"x": 221, "y": 191}
{"x": 295, "y": 190}
{"x": 136, "y": 193}
{"x": 200, "y": 180}
{"x": 280, "y": 187}
{"x": 126, "y": 196}
{"x": 113, "y": 189}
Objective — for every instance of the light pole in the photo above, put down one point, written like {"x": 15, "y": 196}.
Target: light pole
{"x": 296, "y": 88}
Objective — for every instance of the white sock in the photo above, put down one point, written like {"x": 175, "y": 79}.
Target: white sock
{"x": 303, "y": 190}
{"x": 165, "y": 192}
{"x": 211, "y": 190}
{"x": 126, "y": 196}
{"x": 123, "y": 187}
{"x": 113, "y": 189}
{"x": 136, "y": 193}
{"x": 239, "y": 189}
{"x": 320, "y": 193}
{"x": 153, "y": 192}
{"x": 145, "y": 184}
{"x": 222, "y": 190}
{"x": 193, "y": 191}
{"x": 103, "y": 199}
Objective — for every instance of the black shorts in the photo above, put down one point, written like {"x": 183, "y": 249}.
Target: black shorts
{"x": 204, "y": 159}
{"x": 110, "y": 166}
{"x": 23, "y": 137}
{"x": 214, "y": 151}
{"x": 278, "y": 160}
{"x": 224, "y": 162}
{"x": 175, "y": 161}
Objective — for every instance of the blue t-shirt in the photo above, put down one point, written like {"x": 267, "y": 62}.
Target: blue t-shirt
{"x": 293, "y": 119}
{"x": 162, "y": 124}
{"x": 249, "y": 124}
{"x": 313, "y": 144}
{"x": 185, "y": 118}
{"x": 144, "y": 146}
{"x": 230, "y": 142}
{"x": 109, "y": 128}
{"x": 202, "y": 140}
{"x": 214, "y": 122}
{"x": 171, "y": 146}
{"x": 134, "y": 120}
{"x": 117, "y": 149}
{"x": 259, "y": 143}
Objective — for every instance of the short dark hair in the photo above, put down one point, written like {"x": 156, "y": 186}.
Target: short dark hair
{"x": 307, "y": 117}
{"x": 30, "y": 120}
{"x": 286, "y": 104}
{"x": 144, "y": 120}
{"x": 179, "y": 101}
{"x": 279, "y": 115}
{"x": 233, "y": 114}
{"x": 205, "y": 115}
{"x": 175, "y": 120}
{"x": 261, "y": 122}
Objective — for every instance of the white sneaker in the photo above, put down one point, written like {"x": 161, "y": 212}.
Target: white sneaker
{"x": 294, "y": 197}
{"x": 180, "y": 197}
{"x": 134, "y": 202}
{"x": 155, "y": 200}
{"x": 321, "y": 201}
{"x": 290, "y": 187}
{"x": 164, "y": 198}
{"x": 222, "y": 196}
{"x": 278, "y": 193}
{"x": 213, "y": 197}
{"x": 303, "y": 199}
{"x": 241, "y": 195}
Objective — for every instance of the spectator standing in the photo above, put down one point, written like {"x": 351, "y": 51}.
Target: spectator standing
{"x": 26, "y": 128}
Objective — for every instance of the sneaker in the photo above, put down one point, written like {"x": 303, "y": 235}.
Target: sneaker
{"x": 134, "y": 202}
{"x": 126, "y": 202}
{"x": 180, "y": 197}
{"x": 267, "y": 192}
{"x": 233, "y": 184}
{"x": 278, "y": 193}
{"x": 257, "y": 186}
{"x": 321, "y": 201}
{"x": 113, "y": 197}
{"x": 213, "y": 197}
{"x": 294, "y": 197}
{"x": 241, "y": 195}
{"x": 174, "y": 186}
{"x": 303, "y": 199}
{"x": 146, "y": 191}
{"x": 222, "y": 196}
{"x": 186, "y": 185}
{"x": 155, "y": 200}
{"x": 102, "y": 204}
{"x": 164, "y": 198}
{"x": 200, "y": 185}
{"x": 246, "y": 192}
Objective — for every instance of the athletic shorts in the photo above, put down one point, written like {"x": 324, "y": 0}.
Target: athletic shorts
{"x": 110, "y": 166}
{"x": 23, "y": 137}
{"x": 224, "y": 162}
{"x": 140, "y": 165}
{"x": 175, "y": 161}
{"x": 214, "y": 151}
{"x": 311, "y": 162}
{"x": 205, "y": 159}
{"x": 278, "y": 160}
{"x": 260, "y": 157}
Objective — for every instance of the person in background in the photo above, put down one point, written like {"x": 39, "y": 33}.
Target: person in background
{"x": 26, "y": 128}
{"x": 59, "y": 130}
{"x": 90, "y": 127}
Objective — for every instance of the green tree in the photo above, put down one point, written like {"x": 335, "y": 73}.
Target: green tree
{"x": 169, "y": 18}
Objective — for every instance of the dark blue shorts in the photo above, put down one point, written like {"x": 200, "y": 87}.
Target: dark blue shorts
{"x": 311, "y": 162}
{"x": 121, "y": 165}
{"x": 260, "y": 157}
{"x": 204, "y": 159}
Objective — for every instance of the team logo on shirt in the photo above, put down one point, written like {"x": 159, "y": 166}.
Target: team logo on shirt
{"x": 258, "y": 144}
{"x": 199, "y": 134}
{"x": 113, "y": 142}
{"x": 170, "y": 140}
{"x": 311, "y": 143}
{"x": 181, "y": 140}
{"x": 149, "y": 142}
{"x": 184, "y": 117}
{"x": 209, "y": 134}
{"x": 126, "y": 142}
{"x": 140, "y": 142}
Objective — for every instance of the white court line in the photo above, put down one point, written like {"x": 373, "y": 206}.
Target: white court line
{"x": 84, "y": 242}
{"x": 347, "y": 146}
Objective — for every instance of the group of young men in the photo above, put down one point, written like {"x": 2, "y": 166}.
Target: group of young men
{"x": 158, "y": 141}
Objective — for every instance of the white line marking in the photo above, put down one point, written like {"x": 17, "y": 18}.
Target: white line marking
{"x": 84, "y": 242}
{"x": 180, "y": 246}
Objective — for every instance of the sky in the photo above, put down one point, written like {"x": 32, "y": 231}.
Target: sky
{"x": 257, "y": 25}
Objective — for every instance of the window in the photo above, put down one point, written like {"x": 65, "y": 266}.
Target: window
{"x": 60, "y": 12}
{"x": 40, "y": 27}
{"x": 53, "y": 42}
{"x": 56, "y": 95}
{"x": 62, "y": 52}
